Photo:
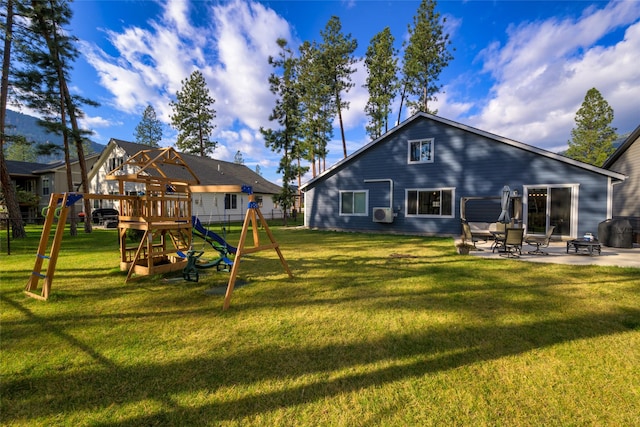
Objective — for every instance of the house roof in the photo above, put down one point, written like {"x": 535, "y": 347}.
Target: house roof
{"x": 17, "y": 168}
{"x": 466, "y": 128}
{"x": 634, "y": 136}
{"x": 209, "y": 171}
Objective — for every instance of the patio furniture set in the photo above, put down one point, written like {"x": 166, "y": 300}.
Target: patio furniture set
{"x": 508, "y": 241}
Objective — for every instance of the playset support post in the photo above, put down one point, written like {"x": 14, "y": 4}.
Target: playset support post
{"x": 251, "y": 219}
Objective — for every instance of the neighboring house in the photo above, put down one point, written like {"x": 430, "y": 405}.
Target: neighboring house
{"x": 209, "y": 207}
{"x": 626, "y": 200}
{"x": 42, "y": 179}
{"x": 425, "y": 174}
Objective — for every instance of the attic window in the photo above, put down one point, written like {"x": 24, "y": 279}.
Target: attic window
{"x": 421, "y": 151}
{"x": 115, "y": 162}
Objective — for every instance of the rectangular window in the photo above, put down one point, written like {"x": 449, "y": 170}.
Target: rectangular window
{"x": 430, "y": 202}
{"x": 353, "y": 202}
{"x": 46, "y": 186}
{"x": 421, "y": 151}
{"x": 231, "y": 201}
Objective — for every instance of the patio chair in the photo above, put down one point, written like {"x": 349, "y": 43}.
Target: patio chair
{"x": 540, "y": 242}
{"x": 469, "y": 237}
{"x": 499, "y": 234}
{"x": 513, "y": 243}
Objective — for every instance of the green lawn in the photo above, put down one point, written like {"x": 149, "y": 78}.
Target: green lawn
{"x": 373, "y": 330}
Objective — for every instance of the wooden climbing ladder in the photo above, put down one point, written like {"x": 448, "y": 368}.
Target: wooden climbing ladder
{"x": 50, "y": 254}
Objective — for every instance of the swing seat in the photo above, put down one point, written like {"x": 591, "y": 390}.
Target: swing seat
{"x": 190, "y": 272}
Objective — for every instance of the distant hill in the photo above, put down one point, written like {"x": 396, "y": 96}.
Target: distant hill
{"x": 22, "y": 124}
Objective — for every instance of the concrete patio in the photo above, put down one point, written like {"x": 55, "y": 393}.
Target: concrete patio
{"x": 558, "y": 254}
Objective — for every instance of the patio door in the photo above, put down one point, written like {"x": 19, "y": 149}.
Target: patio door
{"x": 551, "y": 205}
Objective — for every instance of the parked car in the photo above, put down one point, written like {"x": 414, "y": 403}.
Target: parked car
{"x": 101, "y": 215}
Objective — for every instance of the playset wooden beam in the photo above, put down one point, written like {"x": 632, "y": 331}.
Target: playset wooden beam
{"x": 251, "y": 220}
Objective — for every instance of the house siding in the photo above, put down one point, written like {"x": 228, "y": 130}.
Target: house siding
{"x": 625, "y": 194}
{"x": 468, "y": 163}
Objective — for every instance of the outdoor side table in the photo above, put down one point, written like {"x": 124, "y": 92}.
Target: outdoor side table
{"x": 584, "y": 245}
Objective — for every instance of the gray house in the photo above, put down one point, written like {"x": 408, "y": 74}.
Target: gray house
{"x": 208, "y": 206}
{"x": 626, "y": 160}
{"x": 42, "y": 179}
{"x": 428, "y": 173}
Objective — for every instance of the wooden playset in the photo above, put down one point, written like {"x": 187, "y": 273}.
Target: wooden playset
{"x": 160, "y": 208}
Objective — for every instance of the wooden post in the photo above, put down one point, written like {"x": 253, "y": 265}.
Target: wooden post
{"x": 250, "y": 219}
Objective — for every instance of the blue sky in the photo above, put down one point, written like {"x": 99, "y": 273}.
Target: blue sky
{"x": 521, "y": 69}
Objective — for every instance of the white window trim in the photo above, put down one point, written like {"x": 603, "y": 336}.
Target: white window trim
{"x": 413, "y": 162}
{"x": 410, "y": 215}
{"x": 366, "y": 203}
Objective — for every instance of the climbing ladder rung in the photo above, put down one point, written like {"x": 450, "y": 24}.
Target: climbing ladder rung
{"x": 43, "y": 256}
{"x": 40, "y": 275}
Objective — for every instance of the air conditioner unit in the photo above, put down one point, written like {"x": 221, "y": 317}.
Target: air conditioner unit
{"x": 383, "y": 215}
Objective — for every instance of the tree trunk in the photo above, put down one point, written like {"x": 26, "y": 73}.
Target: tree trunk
{"x": 73, "y": 227}
{"x": 402, "y": 97}
{"x": 52, "y": 44}
{"x": 344, "y": 141}
{"x": 15, "y": 217}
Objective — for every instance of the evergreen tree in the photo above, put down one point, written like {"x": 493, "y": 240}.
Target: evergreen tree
{"x": 426, "y": 54}
{"x": 21, "y": 149}
{"x": 149, "y": 130}
{"x": 317, "y": 101}
{"x": 382, "y": 81}
{"x": 337, "y": 58}
{"x": 8, "y": 190}
{"x": 286, "y": 113}
{"x": 193, "y": 116}
{"x": 592, "y": 137}
{"x": 258, "y": 170}
{"x": 49, "y": 55}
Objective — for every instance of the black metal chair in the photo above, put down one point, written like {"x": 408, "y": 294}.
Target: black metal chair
{"x": 540, "y": 242}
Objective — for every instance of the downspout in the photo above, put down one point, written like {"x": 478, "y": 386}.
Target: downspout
{"x": 610, "y": 197}
{"x": 390, "y": 181}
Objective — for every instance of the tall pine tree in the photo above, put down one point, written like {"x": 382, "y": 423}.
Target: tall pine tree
{"x": 193, "y": 116}
{"x": 336, "y": 52}
{"x": 286, "y": 113}
{"x": 316, "y": 97}
{"x": 382, "y": 81}
{"x": 149, "y": 130}
{"x": 592, "y": 137}
{"x": 426, "y": 54}
{"x": 49, "y": 57}
{"x": 8, "y": 190}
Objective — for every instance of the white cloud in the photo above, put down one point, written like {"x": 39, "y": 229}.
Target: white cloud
{"x": 545, "y": 68}
{"x": 231, "y": 51}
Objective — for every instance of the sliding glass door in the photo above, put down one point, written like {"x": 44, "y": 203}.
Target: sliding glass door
{"x": 548, "y": 205}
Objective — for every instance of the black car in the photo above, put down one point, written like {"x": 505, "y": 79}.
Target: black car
{"x": 100, "y": 216}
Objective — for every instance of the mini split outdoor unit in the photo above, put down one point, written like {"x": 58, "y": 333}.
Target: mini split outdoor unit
{"x": 383, "y": 215}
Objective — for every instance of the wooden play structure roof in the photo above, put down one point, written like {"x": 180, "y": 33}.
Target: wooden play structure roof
{"x": 155, "y": 166}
